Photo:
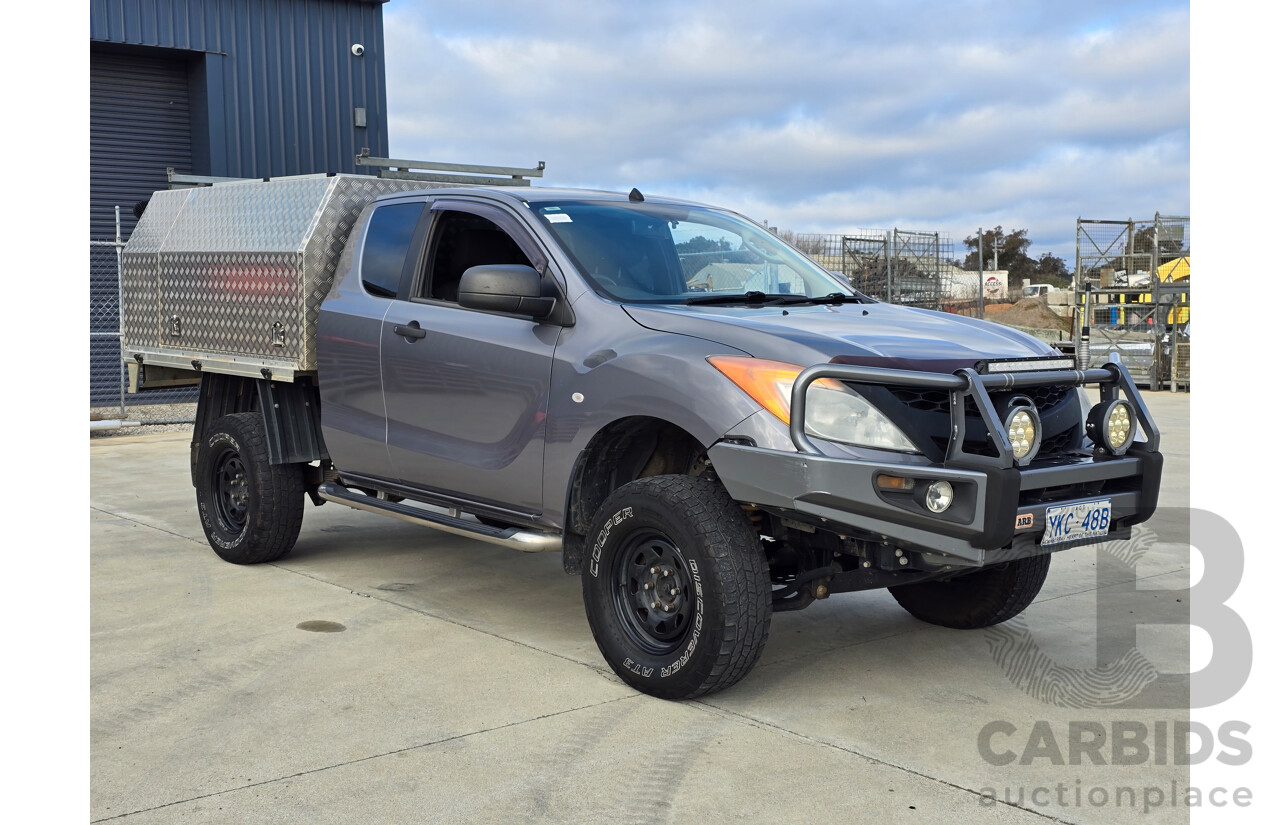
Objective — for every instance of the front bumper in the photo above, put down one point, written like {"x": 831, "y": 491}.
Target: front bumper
{"x": 997, "y": 502}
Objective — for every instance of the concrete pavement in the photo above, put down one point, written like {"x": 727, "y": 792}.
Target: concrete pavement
{"x": 463, "y": 684}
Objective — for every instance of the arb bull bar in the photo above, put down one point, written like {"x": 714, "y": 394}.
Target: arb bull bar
{"x": 1005, "y": 501}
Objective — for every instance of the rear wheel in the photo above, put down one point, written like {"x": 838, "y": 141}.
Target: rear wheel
{"x": 676, "y": 587}
{"x": 251, "y": 509}
{"x": 980, "y": 599}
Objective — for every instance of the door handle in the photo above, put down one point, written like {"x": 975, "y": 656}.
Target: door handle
{"x": 412, "y": 332}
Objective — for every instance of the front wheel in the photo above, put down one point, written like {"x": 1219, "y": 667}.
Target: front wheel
{"x": 251, "y": 509}
{"x": 979, "y": 599}
{"x": 676, "y": 587}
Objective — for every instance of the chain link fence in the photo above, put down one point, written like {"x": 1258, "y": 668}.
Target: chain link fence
{"x": 106, "y": 389}
{"x": 109, "y": 398}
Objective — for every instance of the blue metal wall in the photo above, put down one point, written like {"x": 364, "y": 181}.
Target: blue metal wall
{"x": 273, "y": 83}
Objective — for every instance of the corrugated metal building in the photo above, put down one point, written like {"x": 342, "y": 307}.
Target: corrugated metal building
{"x": 230, "y": 88}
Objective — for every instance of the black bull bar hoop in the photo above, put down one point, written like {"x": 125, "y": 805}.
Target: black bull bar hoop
{"x": 1112, "y": 379}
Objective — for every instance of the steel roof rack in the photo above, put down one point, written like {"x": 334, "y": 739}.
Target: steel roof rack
{"x": 431, "y": 171}
{"x": 397, "y": 169}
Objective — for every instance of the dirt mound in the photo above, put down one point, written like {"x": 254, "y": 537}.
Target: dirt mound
{"x": 1033, "y": 313}
{"x": 991, "y": 309}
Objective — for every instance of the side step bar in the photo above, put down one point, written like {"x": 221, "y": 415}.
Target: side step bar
{"x": 515, "y": 538}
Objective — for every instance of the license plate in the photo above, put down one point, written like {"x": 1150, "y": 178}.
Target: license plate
{"x": 1076, "y": 522}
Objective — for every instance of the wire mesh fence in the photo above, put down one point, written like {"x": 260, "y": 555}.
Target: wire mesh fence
{"x": 896, "y": 265}
{"x": 106, "y": 387}
{"x": 109, "y": 398}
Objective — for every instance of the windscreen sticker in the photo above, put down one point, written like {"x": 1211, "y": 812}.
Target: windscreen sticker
{"x": 559, "y": 217}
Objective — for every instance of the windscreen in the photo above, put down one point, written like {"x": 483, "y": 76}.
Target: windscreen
{"x": 663, "y": 253}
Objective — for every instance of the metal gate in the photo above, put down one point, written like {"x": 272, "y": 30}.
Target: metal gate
{"x": 864, "y": 260}
{"x": 915, "y": 269}
{"x": 900, "y": 266}
{"x": 106, "y": 386}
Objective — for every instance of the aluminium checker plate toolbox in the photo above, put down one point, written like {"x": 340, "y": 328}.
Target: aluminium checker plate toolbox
{"x": 233, "y": 275}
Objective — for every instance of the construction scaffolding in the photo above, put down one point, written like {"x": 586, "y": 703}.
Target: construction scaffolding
{"x": 1133, "y": 297}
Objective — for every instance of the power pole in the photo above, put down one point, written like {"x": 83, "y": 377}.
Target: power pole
{"x": 981, "y": 283}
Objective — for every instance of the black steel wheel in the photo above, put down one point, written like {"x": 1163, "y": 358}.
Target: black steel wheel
{"x": 251, "y": 509}
{"x": 231, "y": 490}
{"x": 676, "y": 587}
{"x": 651, "y": 584}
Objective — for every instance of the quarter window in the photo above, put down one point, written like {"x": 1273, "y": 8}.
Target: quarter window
{"x": 386, "y": 244}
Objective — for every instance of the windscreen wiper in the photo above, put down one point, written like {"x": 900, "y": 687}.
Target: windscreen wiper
{"x": 771, "y": 299}
{"x": 835, "y": 298}
{"x": 750, "y": 297}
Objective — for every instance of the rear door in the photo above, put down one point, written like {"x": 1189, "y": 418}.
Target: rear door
{"x": 466, "y": 390}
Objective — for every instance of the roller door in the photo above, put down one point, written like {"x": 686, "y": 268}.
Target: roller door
{"x": 139, "y": 124}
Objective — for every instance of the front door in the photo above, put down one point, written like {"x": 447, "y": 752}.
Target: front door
{"x": 466, "y": 390}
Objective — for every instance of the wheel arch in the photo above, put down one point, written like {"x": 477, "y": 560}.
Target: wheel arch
{"x": 620, "y": 452}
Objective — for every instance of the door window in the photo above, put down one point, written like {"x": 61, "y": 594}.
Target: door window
{"x": 463, "y": 240}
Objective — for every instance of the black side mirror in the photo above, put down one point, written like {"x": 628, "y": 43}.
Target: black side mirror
{"x": 504, "y": 288}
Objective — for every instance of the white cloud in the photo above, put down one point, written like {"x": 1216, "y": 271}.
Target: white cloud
{"x": 820, "y": 116}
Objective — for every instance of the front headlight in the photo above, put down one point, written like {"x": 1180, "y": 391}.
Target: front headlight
{"x": 837, "y": 413}
{"x": 832, "y": 412}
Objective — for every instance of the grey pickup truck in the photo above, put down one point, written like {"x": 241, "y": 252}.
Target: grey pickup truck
{"x": 706, "y": 425}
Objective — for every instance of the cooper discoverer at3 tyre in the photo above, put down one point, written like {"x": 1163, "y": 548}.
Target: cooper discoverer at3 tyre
{"x": 979, "y": 599}
{"x": 676, "y": 587}
{"x": 251, "y": 510}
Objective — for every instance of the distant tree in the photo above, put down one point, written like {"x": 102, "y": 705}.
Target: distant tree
{"x": 1050, "y": 269}
{"x": 700, "y": 244}
{"x": 1012, "y": 255}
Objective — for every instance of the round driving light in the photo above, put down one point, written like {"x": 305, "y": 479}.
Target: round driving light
{"x": 1111, "y": 426}
{"x": 939, "y": 496}
{"x": 1023, "y": 428}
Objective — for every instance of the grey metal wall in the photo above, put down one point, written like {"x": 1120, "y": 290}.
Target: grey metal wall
{"x": 273, "y": 83}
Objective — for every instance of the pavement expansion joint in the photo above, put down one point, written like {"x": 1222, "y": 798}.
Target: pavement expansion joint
{"x": 1116, "y": 583}
{"x": 370, "y": 757}
{"x": 761, "y": 723}
{"x": 138, "y": 521}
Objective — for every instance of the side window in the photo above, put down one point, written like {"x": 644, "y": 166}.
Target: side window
{"x": 385, "y": 246}
{"x": 461, "y": 241}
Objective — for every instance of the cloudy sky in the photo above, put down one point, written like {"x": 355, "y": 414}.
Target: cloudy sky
{"x": 815, "y": 116}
